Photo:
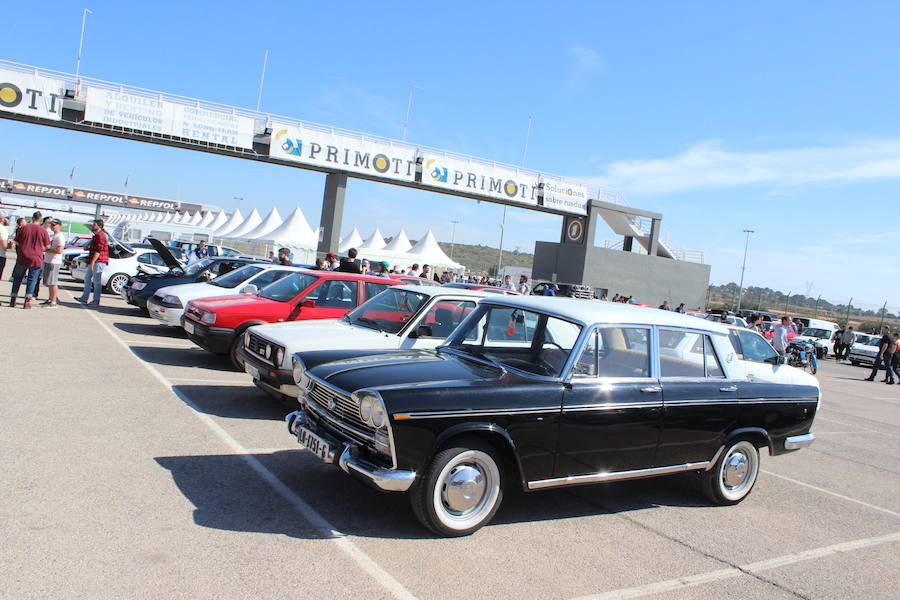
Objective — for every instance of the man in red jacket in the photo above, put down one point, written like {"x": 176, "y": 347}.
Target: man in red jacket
{"x": 31, "y": 242}
{"x": 98, "y": 258}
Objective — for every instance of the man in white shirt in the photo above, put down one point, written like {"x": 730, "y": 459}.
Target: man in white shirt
{"x": 4, "y": 241}
{"x": 413, "y": 271}
{"x": 53, "y": 263}
{"x": 780, "y": 335}
{"x": 523, "y": 288}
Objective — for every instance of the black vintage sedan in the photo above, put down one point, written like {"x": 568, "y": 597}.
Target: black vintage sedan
{"x": 548, "y": 392}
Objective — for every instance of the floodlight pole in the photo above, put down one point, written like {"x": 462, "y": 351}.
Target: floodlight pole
{"x": 453, "y": 238}
{"x": 503, "y": 220}
{"x": 847, "y": 324}
{"x": 743, "y": 268}
{"x": 262, "y": 79}
{"x": 409, "y": 108}
{"x": 883, "y": 311}
{"x": 80, "y": 46}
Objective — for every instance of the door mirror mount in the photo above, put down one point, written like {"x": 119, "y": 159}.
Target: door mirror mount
{"x": 308, "y": 304}
{"x": 421, "y": 331}
{"x": 249, "y": 289}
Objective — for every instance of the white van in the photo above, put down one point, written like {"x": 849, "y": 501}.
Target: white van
{"x": 820, "y": 333}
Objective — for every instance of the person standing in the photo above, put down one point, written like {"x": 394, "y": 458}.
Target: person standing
{"x": 846, "y": 342}
{"x": 413, "y": 270}
{"x": 780, "y": 335}
{"x": 284, "y": 258}
{"x": 664, "y": 305}
{"x": 53, "y": 263}
{"x": 523, "y": 288}
{"x": 350, "y": 264}
{"x": 426, "y": 271}
{"x": 507, "y": 283}
{"x": 681, "y": 309}
{"x": 4, "y": 241}
{"x": 884, "y": 357}
{"x": 98, "y": 258}
{"x": 198, "y": 253}
{"x": 381, "y": 269}
{"x": 31, "y": 242}
{"x": 551, "y": 290}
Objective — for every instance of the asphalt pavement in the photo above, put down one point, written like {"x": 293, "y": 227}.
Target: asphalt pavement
{"x": 140, "y": 466}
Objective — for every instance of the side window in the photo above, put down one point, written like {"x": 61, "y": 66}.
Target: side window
{"x": 334, "y": 293}
{"x": 147, "y": 258}
{"x": 586, "y": 365}
{"x": 755, "y": 348}
{"x": 713, "y": 366}
{"x": 445, "y": 315}
{"x": 681, "y": 354}
{"x": 623, "y": 352}
{"x": 267, "y": 277}
{"x": 373, "y": 289}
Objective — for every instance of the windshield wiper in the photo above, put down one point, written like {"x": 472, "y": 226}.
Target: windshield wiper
{"x": 479, "y": 357}
{"x": 369, "y": 321}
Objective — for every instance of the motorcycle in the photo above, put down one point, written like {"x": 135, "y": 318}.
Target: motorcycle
{"x": 803, "y": 356}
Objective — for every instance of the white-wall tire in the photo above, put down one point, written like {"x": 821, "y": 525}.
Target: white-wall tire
{"x": 733, "y": 476}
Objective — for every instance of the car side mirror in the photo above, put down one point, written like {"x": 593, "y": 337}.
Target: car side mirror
{"x": 421, "y": 331}
{"x": 779, "y": 359}
{"x": 308, "y": 304}
{"x": 249, "y": 289}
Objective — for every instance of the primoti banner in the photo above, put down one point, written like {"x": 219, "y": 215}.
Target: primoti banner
{"x": 152, "y": 115}
{"x": 123, "y": 200}
{"x": 30, "y": 94}
{"x": 331, "y": 150}
{"x": 473, "y": 177}
{"x": 27, "y": 188}
{"x": 564, "y": 196}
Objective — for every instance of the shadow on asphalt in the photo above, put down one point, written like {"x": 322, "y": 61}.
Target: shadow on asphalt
{"x": 152, "y": 328}
{"x": 183, "y": 357}
{"x": 234, "y": 401}
{"x": 223, "y": 490}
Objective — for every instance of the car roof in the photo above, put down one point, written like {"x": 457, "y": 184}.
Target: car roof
{"x": 439, "y": 290}
{"x": 589, "y": 312}
{"x": 343, "y": 275}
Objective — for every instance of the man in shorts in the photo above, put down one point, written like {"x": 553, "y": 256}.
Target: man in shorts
{"x": 53, "y": 263}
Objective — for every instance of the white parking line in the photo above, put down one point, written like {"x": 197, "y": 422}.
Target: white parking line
{"x": 153, "y": 343}
{"x": 243, "y": 382}
{"x": 830, "y": 493}
{"x": 748, "y": 569}
{"x": 363, "y": 560}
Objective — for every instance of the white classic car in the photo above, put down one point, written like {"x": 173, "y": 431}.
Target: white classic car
{"x": 864, "y": 354}
{"x": 167, "y": 304}
{"x": 405, "y": 317}
{"x": 124, "y": 263}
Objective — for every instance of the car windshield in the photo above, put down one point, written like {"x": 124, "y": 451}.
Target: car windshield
{"x": 198, "y": 266}
{"x": 236, "y": 277}
{"x": 816, "y": 333}
{"x": 516, "y": 338}
{"x": 389, "y": 311}
{"x": 287, "y": 288}
{"x": 873, "y": 342}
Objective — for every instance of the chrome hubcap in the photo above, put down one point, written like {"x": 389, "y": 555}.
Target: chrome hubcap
{"x": 735, "y": 471}
{"x": 463, "y": 488}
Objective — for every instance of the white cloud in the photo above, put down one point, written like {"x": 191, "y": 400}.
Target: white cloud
{"x": 709, "y": 164}
{"x": 583, "y": 62}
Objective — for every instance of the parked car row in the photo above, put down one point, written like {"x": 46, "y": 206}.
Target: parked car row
{"x": 452, "y": 395}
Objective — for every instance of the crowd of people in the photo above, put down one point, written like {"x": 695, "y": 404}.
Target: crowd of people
{"x": 39, "y": 246}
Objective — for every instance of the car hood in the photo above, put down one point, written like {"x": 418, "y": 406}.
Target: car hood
{"x": 864, "y": 348}
{"x": 325, "y": 334}
{"x": 416, "y": 368}
{"x": 213, "y": 303}
{"x": 164, "y": 253}
{"x": 192, "y": 291}
{"x": 807, "y": 338}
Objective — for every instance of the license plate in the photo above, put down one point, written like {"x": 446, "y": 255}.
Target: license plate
{"x": 188, "y": 326}
{"x": 251, "y": 370}
{"x": 313, "y": 443}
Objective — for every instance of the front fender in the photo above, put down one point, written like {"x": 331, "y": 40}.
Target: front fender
{"x": 494, "y": 432}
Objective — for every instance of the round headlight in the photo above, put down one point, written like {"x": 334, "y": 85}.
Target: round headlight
{"x": 246, "y": 341}
{"x": 268, "y": 351}
{"x": 378, "y": 414}
{"x": 297, "y": 371}
{"x": 365, "y": 409}
{"x": 279, "y": 355}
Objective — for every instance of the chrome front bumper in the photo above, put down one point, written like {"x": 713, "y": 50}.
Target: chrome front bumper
{"x": 795, "y": 442}
{"x": 349, "y": 461}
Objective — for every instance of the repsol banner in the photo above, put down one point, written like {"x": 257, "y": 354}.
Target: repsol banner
{"x": 124, "y": 201}
{"x": 153, "y": 115}
{"x": 30, "y": 94}
{"x": 474, "y": 177}
{"x": 42, "y": 190}
{"x": 328, "y": 149}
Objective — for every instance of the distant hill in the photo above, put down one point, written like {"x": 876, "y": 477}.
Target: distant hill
{"x": 484, "y": 258}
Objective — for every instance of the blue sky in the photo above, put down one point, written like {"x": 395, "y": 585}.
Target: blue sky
{"x": 777, "y": 117}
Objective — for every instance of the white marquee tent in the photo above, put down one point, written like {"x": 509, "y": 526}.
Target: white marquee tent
{"x": 354, "y": 240}
{"x": 234, "y": 221}
{"x": 249, "y": 224}
{"x": 267, "y": 226}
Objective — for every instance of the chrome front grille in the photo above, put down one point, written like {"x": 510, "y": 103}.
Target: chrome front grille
{"x": 256, "y": 345}
{"x": 341, "y": 407}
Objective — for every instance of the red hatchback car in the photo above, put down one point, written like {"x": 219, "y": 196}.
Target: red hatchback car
{"x": 218, "y": 323}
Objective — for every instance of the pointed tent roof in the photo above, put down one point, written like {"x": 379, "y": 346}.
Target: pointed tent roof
{"x": 234, "y": 221}
{"x": 198, "y": 217}
{"x": 269, "y": 224}
{"x": 427, "y": 251}
{"x": 160, "y": 217}
{"x": 249, "y": 224}
{"x": 208, "y": 217}
{"x": 354, "y": 240}
{"x": 295, "y": 232}
{"x": 218, "y": 221}
{"x": 399, "y": 245}
{"x": 374, "y": 243}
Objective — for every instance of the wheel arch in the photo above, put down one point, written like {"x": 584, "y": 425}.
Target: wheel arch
{"x": 759, "y": 436}
{"x": 491, "y": 433}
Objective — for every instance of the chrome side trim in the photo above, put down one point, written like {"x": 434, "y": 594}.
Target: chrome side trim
{"x": 389, "y": 480}
{"x": 541, "y": 484}
{"x": 795, "y": 442}
{"x": 612, "y": 406}
{"x": 481, "y": 413}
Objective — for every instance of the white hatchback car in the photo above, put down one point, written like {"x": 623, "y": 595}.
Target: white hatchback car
{"x": 404, "y": 317}
{"x": 124, "y": 263}
{"x": 167, "y": 304}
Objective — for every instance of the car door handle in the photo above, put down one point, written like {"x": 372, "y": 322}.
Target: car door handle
{"x": 728, "y": 388}
{"x": 651, "y": 389}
